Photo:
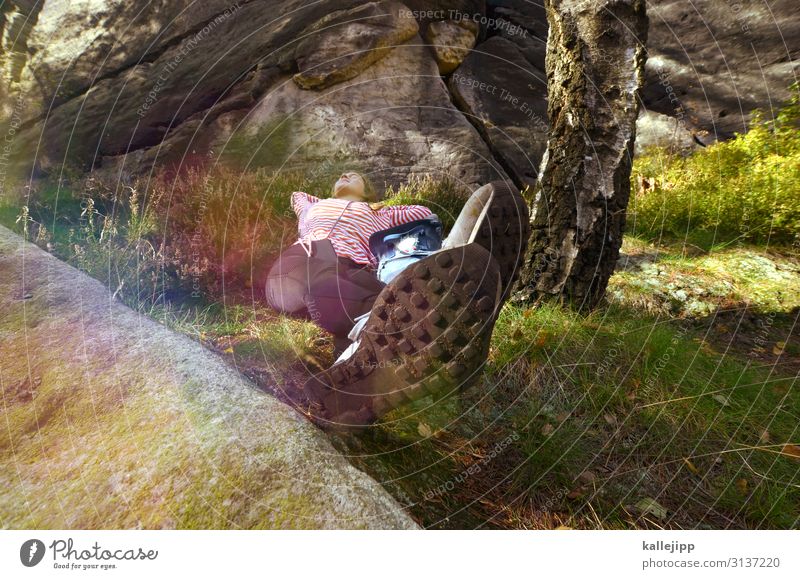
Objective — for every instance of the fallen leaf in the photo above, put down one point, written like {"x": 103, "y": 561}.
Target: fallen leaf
{"x": 778, "y": 348}
{"x": 541, "y": 340}
{"x": 649, "y": 506}
{"x": 764, "y": 438}
{"x": 575, "y": 494}
{"x": 721, "y": 399}
{"x": 792, "y": 450}
{"x": 780, "y": 389}
{"x": 741, "y": 484}
{"x": 690, "y": 465}
{"x": 547, "y": 429}
{"x": 424, "y": 430}
{"x": 587, "y": 476}
{"x": 228, "y": 350}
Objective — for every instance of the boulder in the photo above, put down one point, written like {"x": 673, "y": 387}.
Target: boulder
{"x": 656, "y": 129}
{"x": 505, "y": 97}
{"x": 113, "y": 421}
{"x": 344, "y": 43}
{"x": 451, "y": 41}
{"x": 394, "y": 120}
{"x": 712, "y": 62}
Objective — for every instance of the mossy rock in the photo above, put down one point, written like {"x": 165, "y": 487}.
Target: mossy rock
{"x": 114, "y": 421}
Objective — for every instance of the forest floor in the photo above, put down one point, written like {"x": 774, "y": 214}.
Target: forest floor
{"x": 675, "y": 405}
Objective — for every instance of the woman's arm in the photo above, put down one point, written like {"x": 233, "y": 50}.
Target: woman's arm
{"x": 400, "y": 214}
{"x": 301, "y": 201}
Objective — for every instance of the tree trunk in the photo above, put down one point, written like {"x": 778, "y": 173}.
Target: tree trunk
{"x": 595, "y": 68}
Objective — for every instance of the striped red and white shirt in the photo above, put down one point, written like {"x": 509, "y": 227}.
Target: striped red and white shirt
{"x": 350, "y": 238}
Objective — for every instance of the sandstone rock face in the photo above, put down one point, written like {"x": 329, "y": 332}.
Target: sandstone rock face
{"x": 113, "y": 421}
{"x": 505, "y": 97}
{"x": 134, "y": 106}
{"x": 655, "y": 129}
{"x": 451, "y": 41}
{"x": 344, "y": 43}
{"x": 72, "y": 45}
{"x": 711, "y": 62}
{"x": 394, "y": 120}
{"x": 107, "y": 83}
{"x": 525, "y": 24}
{"x": 122, "y": 85}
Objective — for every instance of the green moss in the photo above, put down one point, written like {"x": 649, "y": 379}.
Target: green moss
{"x": 116, "y": 450}
{"x": 670, "y": 282}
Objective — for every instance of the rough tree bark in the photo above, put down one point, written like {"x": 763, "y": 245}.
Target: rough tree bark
{"x": 595, "y": 68}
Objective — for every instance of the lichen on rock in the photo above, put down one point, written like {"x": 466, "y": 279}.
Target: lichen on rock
{"x": 113, "y": 421}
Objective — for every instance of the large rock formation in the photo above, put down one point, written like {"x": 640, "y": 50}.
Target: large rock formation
{"x": 710, "y": 62}
{"x": 109, "y": 82}
{"x": 506, "y": 98}
{"x": 121, "y": 85}
{"x": 110, "y": 420}
{"x": 380, "y": 120}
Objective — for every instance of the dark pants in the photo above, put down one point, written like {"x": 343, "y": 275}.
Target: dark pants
{"x": 329, "y": 290}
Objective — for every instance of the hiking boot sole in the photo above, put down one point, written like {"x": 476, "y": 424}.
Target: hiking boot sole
{"x": 428, "y": 334}
{"x": 496, "y": 217}
{"x": 505, "y": 233}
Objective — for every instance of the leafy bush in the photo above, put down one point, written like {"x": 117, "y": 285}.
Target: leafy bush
{"x": 744, "y": 189}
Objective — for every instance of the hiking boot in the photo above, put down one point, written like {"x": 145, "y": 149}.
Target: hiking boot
{"x": 428, "y": 334}
{"x": 497, "y": 218}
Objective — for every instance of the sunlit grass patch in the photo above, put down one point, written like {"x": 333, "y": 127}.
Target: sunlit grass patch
{"x": 741, "y": 190}
{"x": 442, "y": 196}
{"x": 665, "y": 280}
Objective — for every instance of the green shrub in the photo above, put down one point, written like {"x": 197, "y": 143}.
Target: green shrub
{"x": 744, "y": 189}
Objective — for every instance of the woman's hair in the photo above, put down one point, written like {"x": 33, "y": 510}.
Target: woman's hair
{"x": 370, "y": 193}
{"x": 369, "y": 190}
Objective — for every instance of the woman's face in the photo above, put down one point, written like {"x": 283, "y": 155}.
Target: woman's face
{"x": 349, "y": 185}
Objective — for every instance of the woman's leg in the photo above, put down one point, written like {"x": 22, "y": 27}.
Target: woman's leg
{"x": 331, "y": 293}
{"x": 495, "y": 217}
{"x": 287, "y": 282}
{"x": 340, "y": 292}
